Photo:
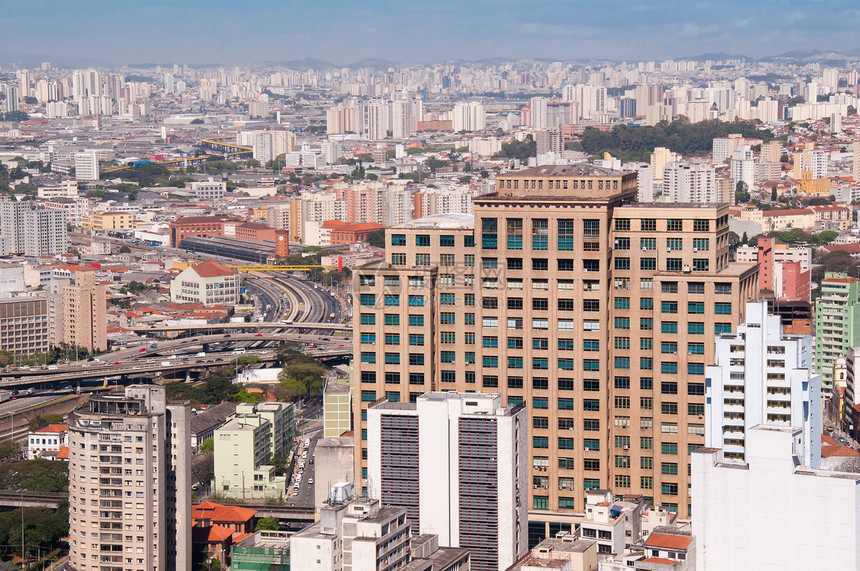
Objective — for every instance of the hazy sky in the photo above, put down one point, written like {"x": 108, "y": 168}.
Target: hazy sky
{"x": 345, "y": 31}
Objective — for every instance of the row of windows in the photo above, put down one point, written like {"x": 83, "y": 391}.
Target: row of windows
{"x": 672, "y": 225}
{"x": 672, "y": 264}
{"x": 423, "y": 240}
{"x": 672, "y": 244}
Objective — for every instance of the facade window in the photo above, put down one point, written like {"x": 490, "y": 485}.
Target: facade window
{"x": 648, "y": 264}
{"x": 701, "y": 225}
{"x": 540, "y": 234}
{"x": 674, "y": 264}
{"x": 674, "y": 225}
{"x": 398, "y": 239}
{"x": 489, "y": 233}
{"x": 540, "y": 264}
{"x": 648, "y": 243}
{"x": 622, "y": 263}
{"x": 700, "y": 264}
{"x": 565, "y": 234}
{"x": 515, "y": 233}
{"x": 422, "y": 240}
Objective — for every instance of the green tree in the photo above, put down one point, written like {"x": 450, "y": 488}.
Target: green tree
{"x": 197, "y": 121}
{"x": 521, "y": 150}
{"x": 125, "y": 250}
{"x": 377, "y": 238}
{"x": 266, "y": 524}
{"x": 207, "y": 445}
{"x": 43, "y": 420}
{"x": 742, "y": 193}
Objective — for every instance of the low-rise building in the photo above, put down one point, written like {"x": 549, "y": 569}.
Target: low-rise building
{"x": 208, "y": 189}
{"x": 209, "y": 283}
{"x": 49, "y": 442}
{"x": 245, "y": 446}
{"x": 611, "y": 523}
{"x": 565, "y": 552}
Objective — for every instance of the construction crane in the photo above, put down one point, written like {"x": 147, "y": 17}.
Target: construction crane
{"x": 339, "y": 267}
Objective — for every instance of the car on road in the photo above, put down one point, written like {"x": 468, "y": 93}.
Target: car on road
{"x": 295, "y": 493}
{"x": 310, "y": 481}
{"x": 142, "y": 349}
{"x": 258, "y": 335}
{"x": 117, "y": 363}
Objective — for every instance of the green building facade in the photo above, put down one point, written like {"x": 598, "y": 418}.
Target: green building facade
{"x": 837, "y": 323}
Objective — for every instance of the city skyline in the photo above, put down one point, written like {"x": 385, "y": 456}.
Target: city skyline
{"x": 260, "y": 31}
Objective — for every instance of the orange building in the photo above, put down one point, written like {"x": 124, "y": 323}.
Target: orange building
{"x": 346, "y": 233}
{"x": 198, "y": 226}
{"x": 255, "y": 232}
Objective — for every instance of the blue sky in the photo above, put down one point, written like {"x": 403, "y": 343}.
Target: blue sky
{"x": 345, "y": 31}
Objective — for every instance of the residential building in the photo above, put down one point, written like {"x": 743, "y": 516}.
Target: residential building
{"x": 203, "y": 424}
{"x": 25, "y": 325}
{"x": 761, "y": 376}
{"x": 611, "y": 523}
{"x": 84, "y": 313}
{"x": 87, "y": 166}
{"x": 101, "y": 221}
{"x": 246, "y": 444}
{"x": 468, "y": 116}
{"x": 135, "y": 445}
{"x": 49, "y": 443}
{"x": 65, "y": 189}
{"x": 279, "y": 215}
{"x": 855, "y": 164}
{"x": 209, "y": 283}
{"x": 660, "y": 158}
{"x": 363, "y": 534}
{"x": 32, "y": 232}
{"x": 837, "y": 323}
{"x": 689, "y": 182}
{"x": 725, "y": 146}
{"x": 669, "y": 549}
{"x": 564, "y": 294}
{"x": 743, "y": 167}
{"x": 782, "y": 270}
{"x": 565, "y": 552}
{"x": 811, "y": 515}
{"x": 478, "y": 449}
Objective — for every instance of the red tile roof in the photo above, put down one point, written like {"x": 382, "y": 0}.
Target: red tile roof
{"x": 838, "y": 451}
{"x": 212, "y": 534}
{"x": 661, "y": 561}
{"x": 788, "y": 212}
{"x": 63, "y": 453}
{"x": 54, "y": 428}
{"x": 668, "y": 541}
{"x": 220, "y": 513}
{"x": 212, "y": 269}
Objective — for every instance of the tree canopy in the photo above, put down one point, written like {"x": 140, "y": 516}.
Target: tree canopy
{"x": 521, "y": 150}
{"x": 637, "y": 142}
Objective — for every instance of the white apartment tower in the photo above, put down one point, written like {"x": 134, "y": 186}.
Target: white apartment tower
{"x": 689, "y": 182}
{"x": 468, "y": 117}
{"x": 130, "y": 483}
{"x": 457, "y": 462}
{"x": 24, "y": 230}
{"x": 86, "y": 166}
{"x": 743, "y": 166}
{"x": 762, "y": 377}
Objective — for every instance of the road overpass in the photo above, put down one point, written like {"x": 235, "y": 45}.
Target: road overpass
{"x": 239, "y": 326}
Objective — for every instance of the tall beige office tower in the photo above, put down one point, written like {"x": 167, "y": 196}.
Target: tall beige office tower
{"x": 130, "y": 483}
{"x": 598, "y": 313}
{"x": 855, "y": 170}
{"x": 84, "y": 317}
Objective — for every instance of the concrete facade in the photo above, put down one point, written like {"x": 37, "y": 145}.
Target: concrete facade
{"x": 451, "y": 460}
{"x": 564, "y": 294}
{"x": 129, "y": 454}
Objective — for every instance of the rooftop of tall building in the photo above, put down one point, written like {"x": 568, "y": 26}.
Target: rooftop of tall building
{"x": 566, "y": 170}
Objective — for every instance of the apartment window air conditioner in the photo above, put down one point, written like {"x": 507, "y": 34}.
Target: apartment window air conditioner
{"x": 695, "y": 249}
{"x": 587, "y": 449}
{"x": 626, "y": 447}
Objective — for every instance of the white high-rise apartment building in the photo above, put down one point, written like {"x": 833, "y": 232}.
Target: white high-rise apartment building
{"x": 24, "y": 230}
{"x": 762, "y": 377}
{"x": 130, "y": 483}
{"x": 689, "y": 182}
{"x": 400, "y": 118}
{"x": 538, "y": 109}
{"x": 743, "y": 166}
{"x": 458, "y": 463}
{"x": 773, "y": 511}
{"x": 468, "y": 117}
{"x": 86, "y": 166}
{"x": 377, "y": 120}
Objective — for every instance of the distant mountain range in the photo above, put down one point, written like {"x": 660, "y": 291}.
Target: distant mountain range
{"x": 798, "y": 56}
